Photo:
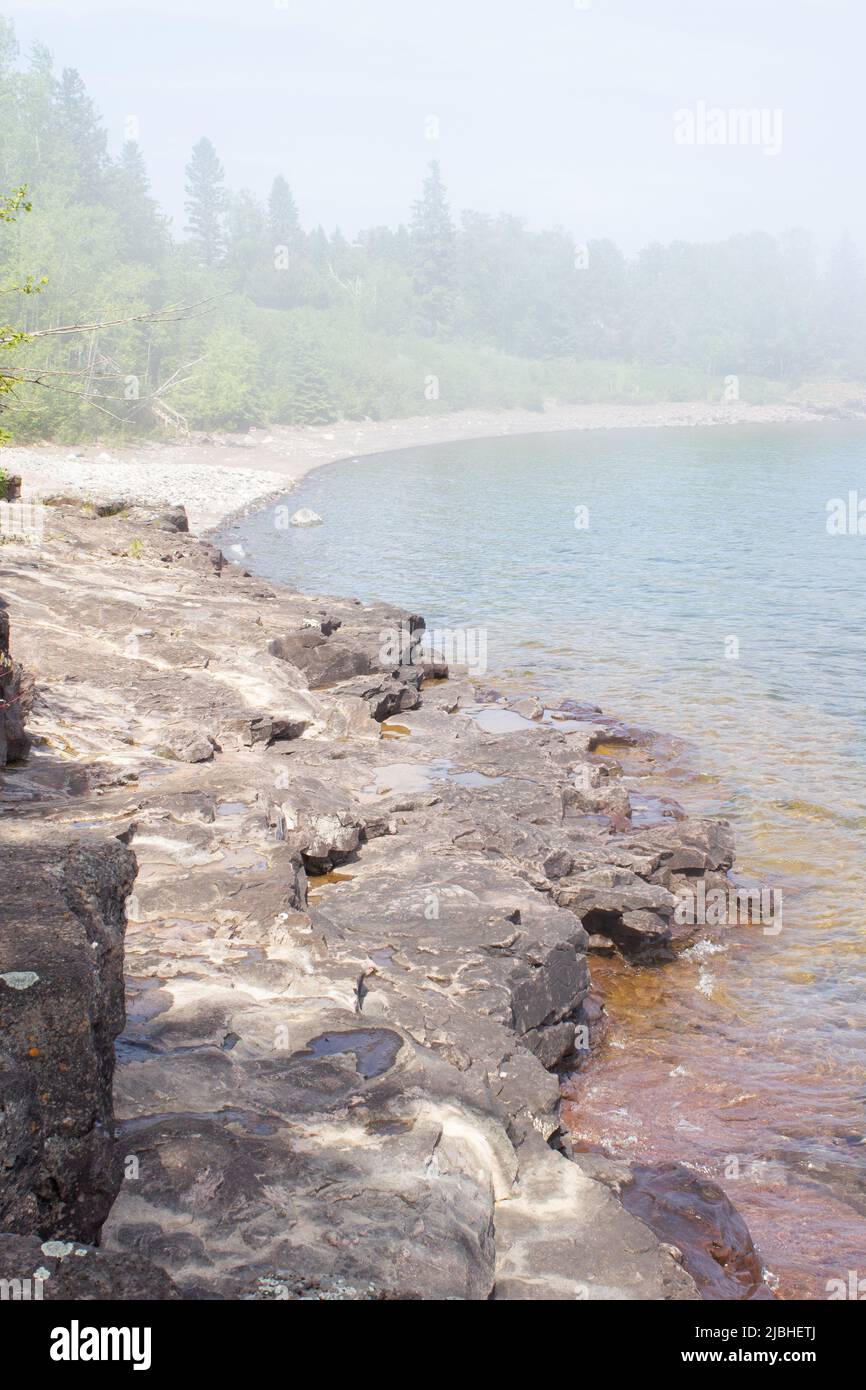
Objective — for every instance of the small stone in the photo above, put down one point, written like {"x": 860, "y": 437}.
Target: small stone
{"x": 602, "y": 945}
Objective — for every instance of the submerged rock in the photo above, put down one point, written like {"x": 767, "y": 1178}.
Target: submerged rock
{"x": 306, "y": 517}
{"x": 697, "y": 1217}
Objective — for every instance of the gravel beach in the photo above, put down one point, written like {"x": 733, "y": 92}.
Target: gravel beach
{"x": 220, "y": 475}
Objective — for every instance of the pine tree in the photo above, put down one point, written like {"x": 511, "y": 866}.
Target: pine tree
{"x": 223, "y": 390}
{"x": 434, "y": 258}
{"x": 205, "y": 203}
{"x": 143, "y": 228}
{"x": 81, "y": 128}
{"x": 284, "y": 224}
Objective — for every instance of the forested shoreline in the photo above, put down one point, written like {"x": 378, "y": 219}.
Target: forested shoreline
{"x": 296, "y": 325}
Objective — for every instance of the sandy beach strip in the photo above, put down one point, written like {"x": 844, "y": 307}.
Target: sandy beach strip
{"x": 221, "y": 475}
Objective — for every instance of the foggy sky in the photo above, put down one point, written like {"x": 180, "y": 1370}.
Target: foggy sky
{"x": 562, "y": 114}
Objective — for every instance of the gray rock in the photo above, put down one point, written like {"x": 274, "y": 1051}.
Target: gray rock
{"x": 551, "y": 1045}
{"x": 321, "y": 822}
{"x": 546, "y": 992}
{"x": 306, "y": 517}
{"x": 187, "y": 746}
{"x": 386, "y": 1181}
{"x": 388, "y": 695}
{"x": 529, "y": 707}
{"x": 351, "y": 717}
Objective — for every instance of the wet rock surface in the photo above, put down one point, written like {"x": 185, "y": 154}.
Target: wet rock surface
{"x": 695, "y": 1215}
{"x": 355, "y": 954}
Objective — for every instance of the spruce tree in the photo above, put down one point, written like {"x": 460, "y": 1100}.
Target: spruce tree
{"x": 205, "y": 204}
{"x": 143, "y": 228}
{"x": 308, "y": 396}
{"x": 434, "y": 258}
{"x": 83, "y": 133}
{"x": 284, "y": 224}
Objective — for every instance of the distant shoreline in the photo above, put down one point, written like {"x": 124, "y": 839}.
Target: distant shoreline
{"x": 219, "y": 476}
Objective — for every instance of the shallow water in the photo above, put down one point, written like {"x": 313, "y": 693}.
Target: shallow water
{"x": 706, "y": 598}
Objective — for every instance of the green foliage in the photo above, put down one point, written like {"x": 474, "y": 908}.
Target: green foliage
{"x": 304, "y": 327}
{"x": 307, "y": 395}
{"x": 222, "y": 390}
{"x": 13, "y": 336}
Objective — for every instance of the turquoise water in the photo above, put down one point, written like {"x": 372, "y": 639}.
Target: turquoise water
{"x": 702, "y": 594}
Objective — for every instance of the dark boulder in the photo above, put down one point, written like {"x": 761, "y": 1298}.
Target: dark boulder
{"x": 694, "y": 1215}
{"x": 62, "y": 922}
{"x": 14, "y": 697}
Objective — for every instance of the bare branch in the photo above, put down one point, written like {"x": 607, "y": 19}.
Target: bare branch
{"x": 52, "y": 386}
{"x": 172, "y": 313}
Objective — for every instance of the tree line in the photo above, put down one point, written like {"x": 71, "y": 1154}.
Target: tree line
{"x": 301, "y": 325}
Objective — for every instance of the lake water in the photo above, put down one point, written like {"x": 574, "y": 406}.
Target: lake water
{"x": 701, "y": 593}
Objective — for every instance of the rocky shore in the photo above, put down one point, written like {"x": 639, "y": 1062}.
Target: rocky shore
{"x": 354, "y": 903}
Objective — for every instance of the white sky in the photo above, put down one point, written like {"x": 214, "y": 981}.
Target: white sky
{"x": 559, "y": 113}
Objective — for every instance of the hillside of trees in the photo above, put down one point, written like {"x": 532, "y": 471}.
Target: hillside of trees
{"x": 298, "y": 325}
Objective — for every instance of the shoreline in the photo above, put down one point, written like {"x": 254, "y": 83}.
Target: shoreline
{"x": 222, "y": 476}
{"x": 536, "y": 684}
{"x": 298, "y": 469}
{"x": 286, "y": 872}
